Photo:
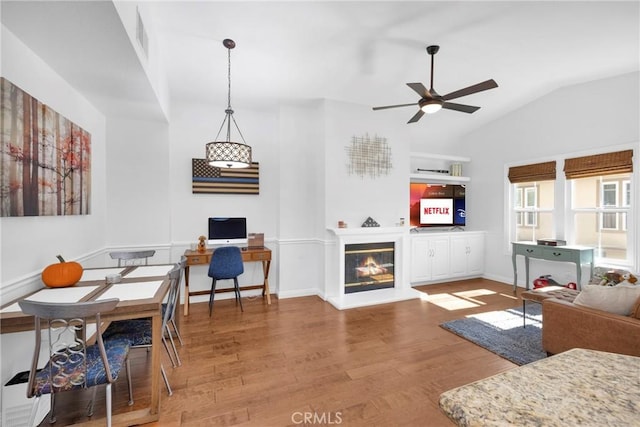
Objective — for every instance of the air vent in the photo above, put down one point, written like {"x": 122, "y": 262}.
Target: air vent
{"x": 141, "y": 34}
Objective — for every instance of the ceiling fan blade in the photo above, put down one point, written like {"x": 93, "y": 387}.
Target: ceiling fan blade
{"x": 420, "y": 89}
{"x": 460, "y": 107}
{"x": 489, "y": 84}
{"x": 416, "y": 117}
{"x": 394, "y": 106}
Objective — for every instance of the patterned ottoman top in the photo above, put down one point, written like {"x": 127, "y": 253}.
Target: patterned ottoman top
{"x": 559, "y": 292}
{"x": 577, "y": 387}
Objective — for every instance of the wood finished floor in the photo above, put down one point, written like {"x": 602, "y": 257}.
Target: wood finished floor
{"x": 383, "y": 365}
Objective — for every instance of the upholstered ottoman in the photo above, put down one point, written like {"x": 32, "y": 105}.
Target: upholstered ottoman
{"x": 576, "y": 388}
{"x": 540, "y": 294}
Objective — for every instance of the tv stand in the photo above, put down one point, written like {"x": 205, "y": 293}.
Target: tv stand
{"x": 262, "y": 255}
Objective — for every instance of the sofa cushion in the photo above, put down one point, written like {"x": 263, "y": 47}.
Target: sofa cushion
{"x": 635, "y": 311}
{"x": 618, "y": 299}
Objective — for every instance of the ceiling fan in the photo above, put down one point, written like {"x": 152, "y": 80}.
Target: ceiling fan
{"x": 431, "y": 102}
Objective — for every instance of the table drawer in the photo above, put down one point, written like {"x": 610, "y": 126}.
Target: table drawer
{"x": 260, "y": 256}
{"x": 528, "y": 250}
{"x": 198, "y": 259}
{"x": 555, "y": 254}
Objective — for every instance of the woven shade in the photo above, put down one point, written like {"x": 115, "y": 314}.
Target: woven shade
{"x": 599, "y": 164}
{"x": 536, "y": 172}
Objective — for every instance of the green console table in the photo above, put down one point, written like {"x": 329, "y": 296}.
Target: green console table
{"x": 578, "y": 255}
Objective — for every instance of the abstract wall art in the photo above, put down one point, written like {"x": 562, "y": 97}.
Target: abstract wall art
{"x": 45, "y": 158}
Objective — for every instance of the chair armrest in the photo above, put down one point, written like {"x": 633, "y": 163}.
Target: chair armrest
{"x": 566, "y": 325}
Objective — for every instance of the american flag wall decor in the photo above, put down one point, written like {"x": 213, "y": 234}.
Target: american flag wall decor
{"x": 210, "y": 180}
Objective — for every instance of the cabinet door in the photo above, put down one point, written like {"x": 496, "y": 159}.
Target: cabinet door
{"x": 467, "y": 255}
{"x": 440, "y": 259}
{"x": 475, "y": 254}
{"x": 459, "y": 250}
{"x": 420, "y": 260}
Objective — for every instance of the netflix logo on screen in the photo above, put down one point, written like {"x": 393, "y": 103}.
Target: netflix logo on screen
{"x": 436, "y": 211}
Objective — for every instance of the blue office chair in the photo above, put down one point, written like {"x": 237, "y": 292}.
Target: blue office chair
{"x": 226, "y": 263}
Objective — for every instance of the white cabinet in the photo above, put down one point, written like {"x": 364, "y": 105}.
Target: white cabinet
{"x": 427, "y": 167}
{"x": 441, "y": 256}
{"x": 467, "y": 254}
{"x": 429, "y": 258}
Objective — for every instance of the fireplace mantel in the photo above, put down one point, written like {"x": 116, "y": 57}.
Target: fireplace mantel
{"x": 334, "y": 288}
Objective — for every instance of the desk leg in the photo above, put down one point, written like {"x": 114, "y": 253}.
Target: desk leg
{"x": 579, "y": 274}
{"x": 515, "y": 272}
{"x": 186, "y": 290}
{"x": 266, "y": 265}
{"x": 526, "y": 270}
{"x": 156, "y": 338}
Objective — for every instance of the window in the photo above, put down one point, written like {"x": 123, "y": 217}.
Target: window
{"x": 601, "y": 202}
{"x": 532, "y": 194}
{"x": 600, "y": 207}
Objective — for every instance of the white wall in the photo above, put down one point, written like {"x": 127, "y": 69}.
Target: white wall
{"x": 31, "y": 243}
{"x": 564, "y": 121}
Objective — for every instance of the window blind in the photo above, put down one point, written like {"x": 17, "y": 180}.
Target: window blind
{"x": 536, "y": 172}
{"x": 599, "y": 164}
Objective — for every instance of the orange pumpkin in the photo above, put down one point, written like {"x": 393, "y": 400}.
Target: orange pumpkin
{"x": 62, "y": 274}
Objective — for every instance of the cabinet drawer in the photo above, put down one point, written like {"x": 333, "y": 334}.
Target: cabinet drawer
{"x": 198, "y": 259}
{"x": 555, "y": 254}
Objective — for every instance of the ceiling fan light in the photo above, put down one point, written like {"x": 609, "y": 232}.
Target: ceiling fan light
{"x": 431, "y": 107}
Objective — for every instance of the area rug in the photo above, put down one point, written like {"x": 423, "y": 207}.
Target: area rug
{"x": 501, "y": 332}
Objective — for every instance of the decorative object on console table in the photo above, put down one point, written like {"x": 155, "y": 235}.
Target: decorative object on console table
{"x": 370, "y": 222}
{"x": 551, "y": 242}
{"x": 255, "y": 240}
{"x": 211, "y": 180}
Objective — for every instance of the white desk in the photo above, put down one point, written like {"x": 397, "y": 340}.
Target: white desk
{"x": 576, "y": 254}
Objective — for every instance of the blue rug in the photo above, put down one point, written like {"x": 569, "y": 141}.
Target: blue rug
{"x": 501, "y": 332}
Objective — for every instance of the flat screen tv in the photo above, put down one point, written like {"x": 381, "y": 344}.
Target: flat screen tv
{"x": 227, "y": 231}
{"x": 437, "y": 205}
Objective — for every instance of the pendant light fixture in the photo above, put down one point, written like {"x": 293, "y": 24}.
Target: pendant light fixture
{"x": 228, "y": 154}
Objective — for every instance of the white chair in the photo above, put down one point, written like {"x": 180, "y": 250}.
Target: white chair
{"x": 129, "y": 257}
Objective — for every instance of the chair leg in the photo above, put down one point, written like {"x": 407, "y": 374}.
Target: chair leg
{"x": 108, "y": 403}
{"x": 175, "y": 328}
{"x": 173, "y": 345}
{"x": 128, "y": 367}
{"x": 213, "y": 292}
{"x": 237, "y": 288}
{"x": 92, "y": 402}
{"x": 166, "y": 347}
{"x": 166, "y": 380}
{"x": 52, "y": 412}
{"x": 34, "y": 410}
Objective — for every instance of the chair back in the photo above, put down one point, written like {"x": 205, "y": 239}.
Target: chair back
{"x": 172, "y": 297}
{"x": 128, "y": 257}
{"x": 69, "y": 366}
{"x": 226, "y": 263}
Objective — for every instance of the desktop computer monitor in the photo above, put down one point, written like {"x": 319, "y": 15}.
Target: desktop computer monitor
{"x": 227, "y": 231}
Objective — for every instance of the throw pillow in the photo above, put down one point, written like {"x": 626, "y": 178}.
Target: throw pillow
{"x": 618, "y": 299}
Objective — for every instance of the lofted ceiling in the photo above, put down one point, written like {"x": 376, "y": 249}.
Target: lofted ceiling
{"x": 361, "y": 52}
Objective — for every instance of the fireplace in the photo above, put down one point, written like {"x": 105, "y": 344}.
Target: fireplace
{"x": 368, "y": 266}
{"x": 371, "y": 265}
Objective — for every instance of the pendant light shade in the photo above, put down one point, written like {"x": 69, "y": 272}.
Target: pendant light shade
{"x": 228, "y": 154}
{"x": 223, "y": 154}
